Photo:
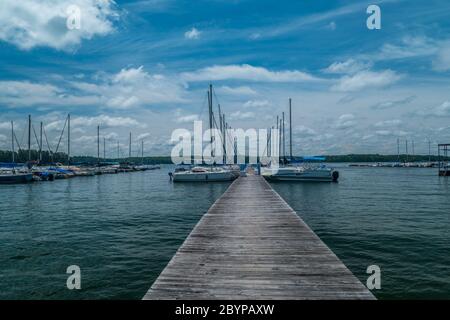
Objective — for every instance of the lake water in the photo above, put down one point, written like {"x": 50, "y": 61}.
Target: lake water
{"x": 123, "y": 229}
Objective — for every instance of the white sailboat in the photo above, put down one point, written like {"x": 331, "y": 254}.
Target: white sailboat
{"x": 206, "y": 174}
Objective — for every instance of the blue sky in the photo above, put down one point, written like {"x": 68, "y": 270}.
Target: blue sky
{"x": 144, "y": 66}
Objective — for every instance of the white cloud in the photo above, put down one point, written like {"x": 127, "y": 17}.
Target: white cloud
{"x": 192, "y": 34}
{"x": 180, "y": 117}
{"x": 256, "y": 104}
{"x": 129, "y": 88}
{"x": 349, "y": 66}
{"x": 187, "y": 118}
{"x": 345, "y": 121}
{"x": 408, "y": 47}
{"x": 236, "y": 91}
{"x": 239, "y": 115}
{"x": 442, "y": 110}
{"x": 388, "y": 123}
{"x": 366, "y": 79}
{"x": 104, "y": 121}
{"x": 442, "y": 59}
{"x": 304, "y": 131}
{"x": 392, "y": 103}
{"x": 28, "y": 23}
{"x": 248, "y": 73}
{"x": 5, "y": 125}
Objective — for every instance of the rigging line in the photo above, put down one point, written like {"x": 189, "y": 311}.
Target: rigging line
{"x": 60, "y": 137}
{"x": 46, "y": 139}
{"x": 17, "y": 141}
{"x": 35, "y": 135}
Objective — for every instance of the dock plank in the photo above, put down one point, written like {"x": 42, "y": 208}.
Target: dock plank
{"x": 252, "y": 245}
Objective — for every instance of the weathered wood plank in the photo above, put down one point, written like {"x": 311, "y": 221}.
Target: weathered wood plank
{"x": 252, "y": 245}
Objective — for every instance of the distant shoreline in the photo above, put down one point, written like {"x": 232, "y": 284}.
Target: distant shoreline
{"x": 22, "y": 156}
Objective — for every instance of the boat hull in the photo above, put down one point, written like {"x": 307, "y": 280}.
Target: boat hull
{"x": 203, "y": 176}
{"x": 16, "y": 178}
{"x": 306, "y": 176}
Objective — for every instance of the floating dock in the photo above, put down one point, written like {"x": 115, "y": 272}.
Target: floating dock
{"x": 252, "y": 245}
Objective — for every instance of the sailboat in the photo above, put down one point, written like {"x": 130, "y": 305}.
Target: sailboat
{"x": 302, "y": 170}
{"x": 8, "y": 172}
{"x": 203, "y": 173}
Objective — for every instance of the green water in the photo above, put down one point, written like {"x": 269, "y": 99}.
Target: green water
{"x": 123, "y": 229}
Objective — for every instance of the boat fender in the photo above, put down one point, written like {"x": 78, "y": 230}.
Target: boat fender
{"x": 335, "y": 175}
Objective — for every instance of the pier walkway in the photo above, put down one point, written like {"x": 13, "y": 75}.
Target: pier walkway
{"x": 252, "y": 245}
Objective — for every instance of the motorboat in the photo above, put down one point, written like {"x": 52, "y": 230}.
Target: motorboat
{"x": 301, "y": 173}
{"x": 203, "y": 174}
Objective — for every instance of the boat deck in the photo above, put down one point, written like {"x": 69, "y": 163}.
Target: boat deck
{"x": 252, "y": 245}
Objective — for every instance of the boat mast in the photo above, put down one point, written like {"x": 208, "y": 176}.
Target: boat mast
{"x": 290, "y": 128}
{"x": 129, "y": 148}
{"x": 398, "y": 150}
{"x": 98, "y": 145}
{"x": 12, "y": 142}
{"x": 284, "y": 140}
{"x": 406, "y": 146}
{"x": 210, "y": 98}
{"x": 68, "y": 139}
{"x": 40, "y": 145}
{"x": 142, "y": 154}
{"x": 29, "y": 137}
{"x": 429, "y": 150}
{"x": 224, "y": 139}
{"x": 118, "y": 150}
{"x": 104, "y": 149}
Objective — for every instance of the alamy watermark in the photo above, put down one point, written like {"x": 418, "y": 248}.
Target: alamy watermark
{"x": 74, "y": 280}
{"x": 228, "y": 146}
{"x": 73, "y": 21}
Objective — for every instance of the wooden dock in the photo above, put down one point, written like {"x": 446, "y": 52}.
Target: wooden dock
{"x": 252, "y": 245}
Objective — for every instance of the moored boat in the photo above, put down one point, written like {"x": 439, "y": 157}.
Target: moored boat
{"x": 201, "y": 174}
{"x": 15, "y": 178}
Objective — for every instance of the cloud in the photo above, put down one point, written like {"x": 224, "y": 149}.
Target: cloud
{"x": 192, "y": 34}
{"x": 248, "y": 73}
{"x": 104, "y": 121}
{"x": 129, "y": 88}
{"x": 5, "y": 125}
{"x": 185, "y": 118}
{"x": 366, "y": 79}
{"x": 239, "y": 115}
{"x": 349, "y": 66}
{"x": 393, "y": 103}
{"x": 236, "y": 91}
{"x": 256, "y": 104}
{"x": 345, "y": 121}
{"x": 28, "y": 23}
{"x": 388, "y": 123}
{"x": 408, "y": 47}
{"x": 442, "y": 110}
{"x": 442, "y": 59}
{"x": 304, "y": 131}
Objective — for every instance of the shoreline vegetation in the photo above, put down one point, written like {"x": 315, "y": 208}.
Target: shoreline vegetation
{"x": 61, "y": 157}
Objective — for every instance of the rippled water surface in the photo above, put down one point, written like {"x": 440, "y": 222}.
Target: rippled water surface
{"x": 123, "y": 229}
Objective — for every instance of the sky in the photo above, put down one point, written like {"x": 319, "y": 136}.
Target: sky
{"x": 144, "y": 66}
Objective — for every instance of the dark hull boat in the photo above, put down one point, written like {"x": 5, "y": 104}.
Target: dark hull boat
{"x": 14, "y": 178}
